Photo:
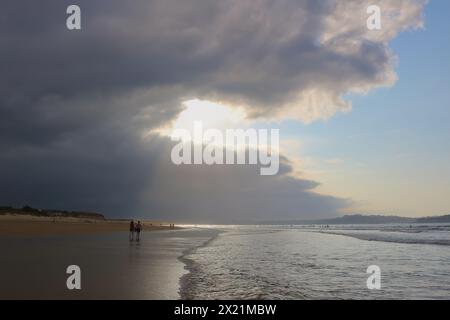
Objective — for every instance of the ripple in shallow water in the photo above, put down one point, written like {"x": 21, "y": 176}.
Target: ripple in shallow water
{"x": 289, "y": 263}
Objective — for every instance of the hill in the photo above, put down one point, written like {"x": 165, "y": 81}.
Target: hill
{"x": 365, "y": 219}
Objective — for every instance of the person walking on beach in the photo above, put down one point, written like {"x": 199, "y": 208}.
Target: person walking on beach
{"x": 138, "y": 231}
{"x": 131, "y": 230}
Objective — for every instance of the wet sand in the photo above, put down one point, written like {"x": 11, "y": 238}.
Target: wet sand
{"x": 112, "y": 267}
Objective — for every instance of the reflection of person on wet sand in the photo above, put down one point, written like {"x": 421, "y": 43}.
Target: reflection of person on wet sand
{"x": 138, "y": 229}
{"x": 131, "y": 230}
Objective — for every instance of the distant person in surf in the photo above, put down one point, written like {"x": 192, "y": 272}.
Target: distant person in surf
{"x": 131, "y": 230}
{"x": 138, "y": 229}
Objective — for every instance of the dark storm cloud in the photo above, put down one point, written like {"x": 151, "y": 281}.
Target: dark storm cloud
{"x": 74, "y": 105}
{"x": 226, "y": 194}
{"x": 95, "y": 171}
{"x": 125, "y": 175}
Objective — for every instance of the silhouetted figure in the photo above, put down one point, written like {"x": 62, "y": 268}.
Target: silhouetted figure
{"x": 138, "y": 231}
{"x": 131, "y": 230}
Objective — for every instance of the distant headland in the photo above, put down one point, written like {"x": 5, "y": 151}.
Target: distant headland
{"x": 364, "y": 219}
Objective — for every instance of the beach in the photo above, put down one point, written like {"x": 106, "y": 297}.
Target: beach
{"x": 28, "y": 225}
{"x": 36, "y": 252}
{"x": 112, "y": 267}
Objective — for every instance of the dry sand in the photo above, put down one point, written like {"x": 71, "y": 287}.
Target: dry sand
{"x": 21, "y": 225}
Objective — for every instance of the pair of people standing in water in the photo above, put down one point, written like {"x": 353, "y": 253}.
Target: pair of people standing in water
{"x": 135, "y": 228}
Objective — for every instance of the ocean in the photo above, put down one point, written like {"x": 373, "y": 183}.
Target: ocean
{"x": 304, "y": 262}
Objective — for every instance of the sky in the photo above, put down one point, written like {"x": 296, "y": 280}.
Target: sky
{"x": 390, "y": 154}
{"x": 86, "y": 115}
